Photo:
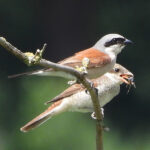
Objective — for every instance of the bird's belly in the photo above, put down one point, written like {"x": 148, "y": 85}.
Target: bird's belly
{"x": 81, "y": 102}
{"x": 108, "y": 95}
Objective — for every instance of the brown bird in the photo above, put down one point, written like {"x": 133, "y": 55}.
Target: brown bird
{"x": 75, "y": 98}
{"x": 100, "y": 58}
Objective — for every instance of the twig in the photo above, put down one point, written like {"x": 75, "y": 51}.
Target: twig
{"x": 31, "y": 59}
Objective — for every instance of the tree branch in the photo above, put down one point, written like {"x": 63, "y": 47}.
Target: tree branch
{"x": 31, "y": 59}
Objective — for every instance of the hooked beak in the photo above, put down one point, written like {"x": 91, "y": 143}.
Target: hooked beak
{"x": 126, "y": 42}
{"x": 128, "y": 79}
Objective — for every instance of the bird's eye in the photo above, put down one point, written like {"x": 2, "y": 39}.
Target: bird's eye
{"x": 116, "y": 69}
{"x": 114, "y": 40}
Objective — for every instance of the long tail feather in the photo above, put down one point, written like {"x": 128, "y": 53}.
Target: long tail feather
{"x": 35, "y": 122}
{"x": 47, "y": 114}
{"x": 25, "y": 73}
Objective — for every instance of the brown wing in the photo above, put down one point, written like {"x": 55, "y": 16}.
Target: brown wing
{"x": 71, "y": 90}
{"x": 96, "y": 57}
{"x": 68, "y": 92}
{"x": 40, "y": 118}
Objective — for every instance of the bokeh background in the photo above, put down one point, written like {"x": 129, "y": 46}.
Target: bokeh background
{"x": 67, "y": 27}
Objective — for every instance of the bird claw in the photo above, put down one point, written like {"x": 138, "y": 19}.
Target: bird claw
{"x": 87, "y": 92}
{"x": 102, "y": 111}
{"x": 105, "y": 128}
{"x": 96, "y": 91}
{"x": 72, "y": 82}
{"x": 92, "y": 87}
{"x": 94, "y": 116}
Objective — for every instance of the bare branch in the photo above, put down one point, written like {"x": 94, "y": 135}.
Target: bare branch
{"x": 13, "y": 50}
{"x": 31, "y": 59}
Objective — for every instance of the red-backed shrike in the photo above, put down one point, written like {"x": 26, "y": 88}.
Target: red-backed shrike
{"x": 102, "y": 57}
{"x": 75, "y": 98}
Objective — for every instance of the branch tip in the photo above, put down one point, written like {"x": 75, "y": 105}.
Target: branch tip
{"x": 43, "y": 48}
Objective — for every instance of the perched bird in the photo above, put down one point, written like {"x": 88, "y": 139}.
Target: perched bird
{"x": 102, "y": 57}
{"x": 75, "y": 98}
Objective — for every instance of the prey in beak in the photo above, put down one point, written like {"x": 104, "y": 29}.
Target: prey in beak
{"x": 128, "y": 79}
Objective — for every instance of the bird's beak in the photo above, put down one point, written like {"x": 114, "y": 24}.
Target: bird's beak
{"x": 128, "y": 79}
{"x": 126, "y": 42}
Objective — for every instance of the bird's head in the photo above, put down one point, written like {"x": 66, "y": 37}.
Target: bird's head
{"x": 112, "y": 43}
{"x": 122, "y": 75}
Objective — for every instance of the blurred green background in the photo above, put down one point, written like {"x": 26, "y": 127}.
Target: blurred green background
{"x": 67, "y": 27}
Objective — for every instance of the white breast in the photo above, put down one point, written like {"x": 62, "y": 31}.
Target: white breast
{"x": 82, "y": 102}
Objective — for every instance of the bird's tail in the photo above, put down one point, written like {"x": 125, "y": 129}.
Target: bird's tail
{"x": 37, "y": 72}
{"x": 47, "y": 114}
{"x": 45, "y": 72}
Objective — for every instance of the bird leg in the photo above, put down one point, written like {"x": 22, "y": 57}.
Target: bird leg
{"x": 92, "y": 87}
{"x": 93, "y": 114}
{"x": 72, "y": 82}
{"x": 105, "y": 128}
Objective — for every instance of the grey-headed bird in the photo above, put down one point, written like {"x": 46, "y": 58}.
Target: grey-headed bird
{"x": 102, "y": 58}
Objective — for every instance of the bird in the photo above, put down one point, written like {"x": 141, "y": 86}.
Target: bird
{"x": 76, "y": 99}
{"x": 100, "y": 59}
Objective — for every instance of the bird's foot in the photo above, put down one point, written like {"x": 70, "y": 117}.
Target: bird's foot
{"x": 105, "y": 128}
{"x": 92, "y": 87}
{"x": 94, "y": 116}
{"x": 72, "y": 82}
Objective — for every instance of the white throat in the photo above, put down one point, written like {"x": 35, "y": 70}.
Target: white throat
{"x": 114, "y": 78}
{"x": 112, "y": 50}
{"x": 115, "y": 49}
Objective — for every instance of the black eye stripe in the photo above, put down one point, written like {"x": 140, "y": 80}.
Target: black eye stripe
{"x": 114, "y": 41}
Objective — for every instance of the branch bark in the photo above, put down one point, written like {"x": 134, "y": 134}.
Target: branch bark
{"x": 27, "y": 59}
